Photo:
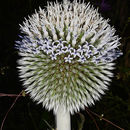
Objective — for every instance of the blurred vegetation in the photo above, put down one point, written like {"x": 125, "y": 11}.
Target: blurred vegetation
{"x": 26, "y": 115}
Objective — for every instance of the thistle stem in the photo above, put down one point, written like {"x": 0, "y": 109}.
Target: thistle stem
{"x": 63, "y": 119}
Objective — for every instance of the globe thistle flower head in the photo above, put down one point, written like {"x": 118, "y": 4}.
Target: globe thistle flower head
{"x": 67, "y": 55}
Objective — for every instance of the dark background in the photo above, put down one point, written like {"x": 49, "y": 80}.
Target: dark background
{"x": 26, "y": 115}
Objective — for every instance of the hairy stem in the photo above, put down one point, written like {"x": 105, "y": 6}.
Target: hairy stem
{"x": 63, "y": 119}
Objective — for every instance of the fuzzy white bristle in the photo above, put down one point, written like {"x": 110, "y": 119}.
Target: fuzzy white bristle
{"x": 67, "y": 56}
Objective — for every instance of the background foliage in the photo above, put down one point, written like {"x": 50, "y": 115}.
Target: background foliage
{"x": 26, "y": 115}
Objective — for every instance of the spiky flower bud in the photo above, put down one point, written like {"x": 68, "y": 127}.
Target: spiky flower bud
{"x": 67, "y": 54}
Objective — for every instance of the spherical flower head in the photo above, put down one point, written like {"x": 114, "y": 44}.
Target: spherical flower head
{"x": 67, "y": 53}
